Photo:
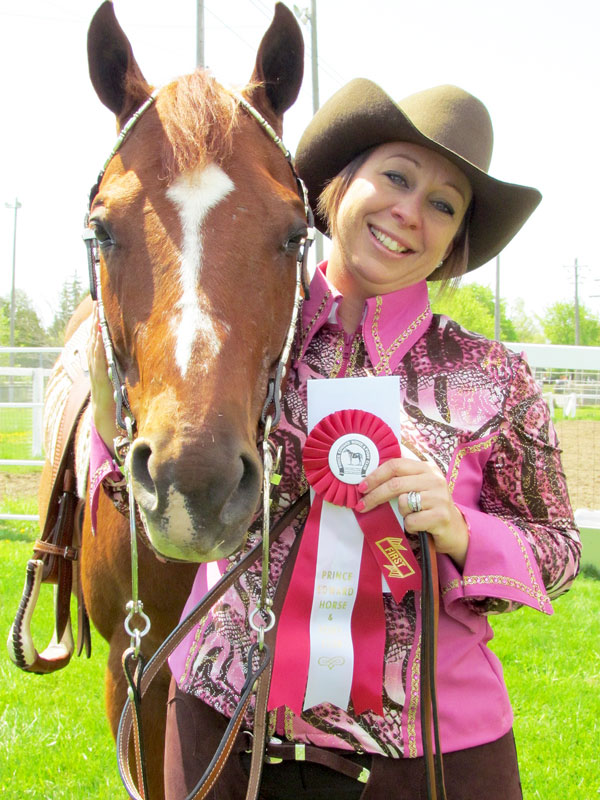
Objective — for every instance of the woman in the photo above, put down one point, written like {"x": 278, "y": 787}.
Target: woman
{"x": 403, "y": 190}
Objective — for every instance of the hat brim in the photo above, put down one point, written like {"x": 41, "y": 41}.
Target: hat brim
{"x": 361, "y": 116}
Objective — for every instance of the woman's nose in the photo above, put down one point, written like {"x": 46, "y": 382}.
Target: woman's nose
{"x": 407, "y": 211}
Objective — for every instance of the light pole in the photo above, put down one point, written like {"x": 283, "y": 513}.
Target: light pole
{"x": 200, "y": 34}
{"x": 304, "y": 15}
{"x": 16, "y": 207}
{"x": 497, "y": 302}
{"x": 577, "y": 328}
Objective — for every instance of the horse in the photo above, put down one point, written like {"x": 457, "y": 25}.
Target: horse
{"x": 198, "y": 221}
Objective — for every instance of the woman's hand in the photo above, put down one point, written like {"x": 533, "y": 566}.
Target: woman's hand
{"x": 438, "y": 516}
{"x": 103, "y": 404}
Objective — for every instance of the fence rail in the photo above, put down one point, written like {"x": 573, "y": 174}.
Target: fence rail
{"x": 569, "y": 377}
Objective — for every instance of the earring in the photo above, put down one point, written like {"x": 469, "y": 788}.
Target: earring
{"x": 441, "y": 264}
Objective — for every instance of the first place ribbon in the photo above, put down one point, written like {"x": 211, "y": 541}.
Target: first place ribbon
{"x": 331, "y": 635}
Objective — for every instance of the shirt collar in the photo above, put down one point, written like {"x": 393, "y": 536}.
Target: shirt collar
{"x": 392, "y": 323}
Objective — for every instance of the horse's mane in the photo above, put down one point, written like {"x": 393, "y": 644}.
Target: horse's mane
{"x": 199, "y": 122}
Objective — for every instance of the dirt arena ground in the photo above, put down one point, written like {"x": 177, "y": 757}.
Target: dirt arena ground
{"x": 579, "y": 441}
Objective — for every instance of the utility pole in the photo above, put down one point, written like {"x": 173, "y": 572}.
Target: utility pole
{"x": 577, "y": 335}
{"x": 497, "y": 302}
{"x": 200, "y": 34}
{"x": 315, "y": 60}
{"x": 304, "y": 15}
{"x": 16, "y": 207}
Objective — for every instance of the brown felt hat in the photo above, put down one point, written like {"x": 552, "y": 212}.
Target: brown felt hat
{"x": 445, "y": 119}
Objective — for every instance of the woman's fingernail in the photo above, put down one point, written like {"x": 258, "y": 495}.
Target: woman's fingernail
{"x": 360, "y": 506}
{"x": 362, "y": 487}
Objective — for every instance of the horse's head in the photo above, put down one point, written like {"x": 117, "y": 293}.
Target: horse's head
{"x": 199, "y": 222}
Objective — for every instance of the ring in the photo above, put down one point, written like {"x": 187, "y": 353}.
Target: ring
{"x": 414, "y": 501}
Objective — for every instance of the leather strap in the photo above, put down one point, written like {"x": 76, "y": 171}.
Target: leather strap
{"x": 161, "y": 655}
{"x": 276, "y": 751}
{"x": 55, "y": 554}
{"x": 429, "y": 717}
{"x": 262, "y": 690}
{"x": 260, "y": 681}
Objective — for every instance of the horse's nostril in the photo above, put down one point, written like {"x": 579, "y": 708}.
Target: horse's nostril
{"x": 245, "y": 493}
{"x": 146, "y": 493}
{"x": 250, "y": 475}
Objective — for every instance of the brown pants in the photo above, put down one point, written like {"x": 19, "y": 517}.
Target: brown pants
{"x": 194, "y": 729}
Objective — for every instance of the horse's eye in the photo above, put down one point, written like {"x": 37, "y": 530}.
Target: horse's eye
{"x": 101, "y": 233}
{"x": 294, "y": 241}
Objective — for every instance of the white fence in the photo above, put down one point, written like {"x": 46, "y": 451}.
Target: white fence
{"x": 23, "y": 375}
{"x": 22, "y": 387}
{"x": 569, "y": 376}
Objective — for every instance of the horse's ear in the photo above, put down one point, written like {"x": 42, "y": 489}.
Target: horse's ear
{"x": 279, "y": 67}
{"x": 114, "y": 72}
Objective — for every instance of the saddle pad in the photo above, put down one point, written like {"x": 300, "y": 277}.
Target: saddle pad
{"x": 71, "y": 362}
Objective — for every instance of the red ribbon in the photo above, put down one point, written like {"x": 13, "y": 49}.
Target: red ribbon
{"x": 380, "y": 526}
{"x": 386, "y": 551}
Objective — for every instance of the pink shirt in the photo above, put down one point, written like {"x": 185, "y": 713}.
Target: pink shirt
{"x": 473, "y": 407}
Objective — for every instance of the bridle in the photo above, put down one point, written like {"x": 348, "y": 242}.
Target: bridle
{"x": 124, "y": 416}
{"x": 271, "y": 412}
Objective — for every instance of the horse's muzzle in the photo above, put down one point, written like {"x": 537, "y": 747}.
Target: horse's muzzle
{"x": 197, "y": 506}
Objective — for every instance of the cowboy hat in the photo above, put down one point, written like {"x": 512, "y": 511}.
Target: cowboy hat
{"x": 445, "y": 119}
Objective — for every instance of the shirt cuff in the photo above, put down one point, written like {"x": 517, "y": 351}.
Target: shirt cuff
{"x": 499, "y": 565}
{"x": 102, "y": 467}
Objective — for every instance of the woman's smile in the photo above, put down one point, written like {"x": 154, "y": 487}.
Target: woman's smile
{"x": 389, "y": 243}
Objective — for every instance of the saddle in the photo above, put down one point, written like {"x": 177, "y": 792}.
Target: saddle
{"x": 56, "y": 553}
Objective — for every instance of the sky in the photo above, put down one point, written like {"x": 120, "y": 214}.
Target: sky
{"x": 534, "y": 64}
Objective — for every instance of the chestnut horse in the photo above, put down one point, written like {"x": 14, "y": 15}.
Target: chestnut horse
{"x": 199, "y": 221}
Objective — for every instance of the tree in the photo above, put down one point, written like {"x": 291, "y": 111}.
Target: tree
{"x": 525, "y": 324}
{"x": 71, "y": 294}
{"x": 29, "y": 331}
{"x": 558, "y": 324}
{"x": 473, "y": 307}
{"x": 4, "y": 327}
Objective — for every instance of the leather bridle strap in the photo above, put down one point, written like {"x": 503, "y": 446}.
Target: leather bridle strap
{"x": 434, "y": 769}
{"x": 160, "y": 657}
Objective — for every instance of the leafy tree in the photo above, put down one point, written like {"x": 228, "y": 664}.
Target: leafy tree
{"x": 71, "y": 294}
{"x": 4, "y": 328}
{"x": 558, "y": 324}
{"x": 473, "y": 307}
{"x": 29, "y": 331}
{"x": 525, "y": 324}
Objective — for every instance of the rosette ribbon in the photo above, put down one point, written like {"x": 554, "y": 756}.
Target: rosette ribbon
{"x": 332, "y": 622}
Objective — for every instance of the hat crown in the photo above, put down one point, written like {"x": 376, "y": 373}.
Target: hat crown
{"x": 454, "y": 119}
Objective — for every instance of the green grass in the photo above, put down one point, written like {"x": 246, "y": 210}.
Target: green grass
{"x": 552, "y": 670}
{"x": 582, "y": 412}
{"x": 15, "y": 435}
{"x": 55, "y": 743}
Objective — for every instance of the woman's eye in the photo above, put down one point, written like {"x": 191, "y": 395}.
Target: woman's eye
{"x": 397, "y": 177}
{"x": 444, "y": 207}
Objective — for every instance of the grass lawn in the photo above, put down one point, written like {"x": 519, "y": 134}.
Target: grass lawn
{"x": 552, "y": 670}
{"x": 55, "y": 742}
{"x": 15, "y": 433}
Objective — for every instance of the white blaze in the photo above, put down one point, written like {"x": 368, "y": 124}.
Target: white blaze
{"x": 195, "y": 193}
